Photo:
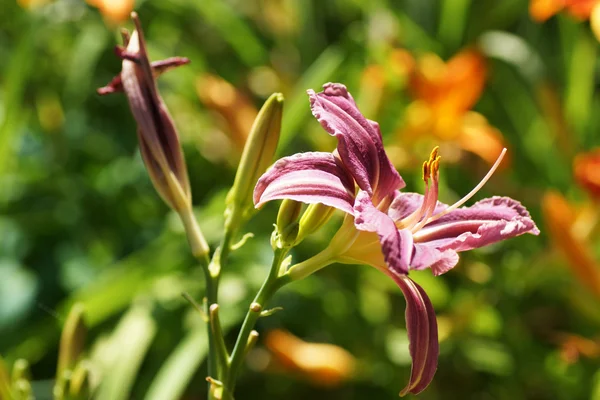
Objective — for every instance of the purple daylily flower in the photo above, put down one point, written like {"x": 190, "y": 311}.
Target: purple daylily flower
{"x": 413, "y": 231}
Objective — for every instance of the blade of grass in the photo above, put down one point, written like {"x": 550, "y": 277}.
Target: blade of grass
{"x": 15, "y": 76}
{"x": 581, "y": 81}
{"x": 87, "y": 50}
{"x": 453, "y": 16}
{"x": 234, "y": 30}
{"x": 129, "y": 344}
{"x": 415, "y": 37}
{"x": 178, "y": 370}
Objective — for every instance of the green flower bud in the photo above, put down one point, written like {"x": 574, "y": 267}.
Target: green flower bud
{"x": 60, "y": 389}
{"x": 256, "y": 158}
{"x": 287, "y": 226}
{"x": 21, "y": 370}
{"x": 79, "y": 386}
{"x": 315, "y": 216}
{"x": 22, "y": 390}
{"x": 72, "y": 340}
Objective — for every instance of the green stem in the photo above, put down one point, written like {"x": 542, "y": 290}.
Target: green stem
{"x": 310, "y": 266}
{"x": 218, "y": 361}
{"x": 220, "y": 347}
{"x": 211, "y": 270}
{"x": 212, "y": 273}
{"x": 269, "y": 287}
{"x": 211, "y": 296}
{"x": 195, "y": 237}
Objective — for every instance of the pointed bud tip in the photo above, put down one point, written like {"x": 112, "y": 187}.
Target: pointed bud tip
{"x": 258, "y": 153}
{"x": 278, "y": 97}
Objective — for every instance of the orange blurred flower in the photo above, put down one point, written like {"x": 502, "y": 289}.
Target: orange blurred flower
{"x": 586, "y": 168}
{"x": 541, "y": 10}
{"x": 582, "y": 10}
{"x": 444, "y": 93}
{"x": 320, "y": 363}
{"x": 378, "y": 80}
{"x": 562, "y": 223}
{"x": 235, "y": 108}
{"x": 114, "y": 11}
{"x": 573, "y": 347}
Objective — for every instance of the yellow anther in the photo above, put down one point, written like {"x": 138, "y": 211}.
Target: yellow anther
{"x": 434, "y": 153}
{"x": 431, "y": 166}
{"x": 435, "y": 167}
{"x": 425, "y": 171}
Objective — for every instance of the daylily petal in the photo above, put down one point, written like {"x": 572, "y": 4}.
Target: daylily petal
{"x": 396, "y": 245}
{"x": 405, "y": 204}
{"x": 366, "y": 249}
{"x": 422, "y": 330}
{"x": 359, "y": 140}
{"x": 440, "y": 261}
{"x": 486, "y": 222}
{"x": 312, "y": 177}
{"x": 158, "y": 68}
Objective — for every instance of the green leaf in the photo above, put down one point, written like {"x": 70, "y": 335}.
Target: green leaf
{"x": 15, "y": 76}
{"x": 234, "y": 30}
{"x": 177, "y": 371}
{"x": 122, "y": 356}
{"x": 596, "y": 387}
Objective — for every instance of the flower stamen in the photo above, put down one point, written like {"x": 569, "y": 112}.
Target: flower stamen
{"x": 430, "y": 172}
{"x": 430, "y": 201}
{"x": 472, "y": 192}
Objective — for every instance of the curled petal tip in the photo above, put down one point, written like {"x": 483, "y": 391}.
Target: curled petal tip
{"x": 335, "y": 89}
{"x": 422, "y": 330}
{"x": 106, "y": 90}
{"x": 360, "y": 145}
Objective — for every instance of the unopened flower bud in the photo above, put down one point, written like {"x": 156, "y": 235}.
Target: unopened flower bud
{"x": 257, "y": 156}
{"x": 22, "y": 389}
{"x": 158, "y": 139}
{"x": 79, "y": 385}
{"x": 315, "y": 216}
{"x": 72, "y": 340}
{"x": 287, "y": 223}
{"x": 21, "y": 370}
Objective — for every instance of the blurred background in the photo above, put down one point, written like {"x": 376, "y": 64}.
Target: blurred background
{"x": 81, "y": 223}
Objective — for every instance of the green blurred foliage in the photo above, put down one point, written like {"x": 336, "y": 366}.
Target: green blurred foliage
{"x": 80, "y": 221}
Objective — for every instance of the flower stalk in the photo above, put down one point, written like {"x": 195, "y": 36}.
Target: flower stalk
{"x": 219, "y": 340}
{"x": 244, "y": 340}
